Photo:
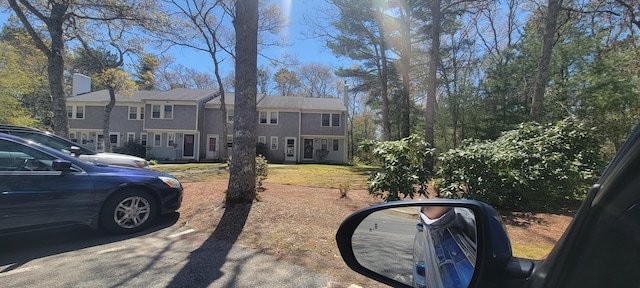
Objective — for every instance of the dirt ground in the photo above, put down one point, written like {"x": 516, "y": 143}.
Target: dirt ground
{"x": 298, "y": 224}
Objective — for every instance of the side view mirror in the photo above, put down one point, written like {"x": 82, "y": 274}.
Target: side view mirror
{"x": 430, "y": 243}
{"x": 75, "y": 151}
{"x": 61, "y": 165}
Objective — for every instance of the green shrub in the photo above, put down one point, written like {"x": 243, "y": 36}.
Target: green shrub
{"x": 262, "y": 149}
{"x": 532, "y": 167}
{"x": 403, "y": 174}
{"x": 262, "y": 171}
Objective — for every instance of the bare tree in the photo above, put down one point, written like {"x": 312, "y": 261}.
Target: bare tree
{"x": 54, "y": 16}
{"x": 242, "y": 184}
{"x": 317, "y": 80}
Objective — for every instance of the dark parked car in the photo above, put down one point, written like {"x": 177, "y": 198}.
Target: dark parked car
{"x": 73, "y": 149}
{"x": 600, "y": 248}
{"x": 42, "y": 187}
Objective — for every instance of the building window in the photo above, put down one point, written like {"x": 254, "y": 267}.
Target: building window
{"x": 262, "y": 139}
{"x": 270, "y": 118}
{"x": 75, "y": 112}
{"x": 168, "y": 112}
{"x": 161, "y": 112}
{"x": 263, "y": 117}
{"x": 330, "y": 120}
{"x": 131, "y": 137}
{"x": 143, "y": 139}
{"x": 114, "y": 138}
{"x": 335, "y": 120}
{"x": 155, "y": 111}
{"x": 336, "y": 143}
{"x": 133, "y": 113}
{"x": 157, "y": 140}
{"x": 80, "y": 112}
{"x": 171, "y": 139}
{"x": 326, "y": 119}
{"x": 324, "y": 145}
{"x": 230, "y": 116}
{"x": 274, "y": 142}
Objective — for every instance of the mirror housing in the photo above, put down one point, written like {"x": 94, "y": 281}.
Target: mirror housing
{"x": 61, "y": 165}
{"x": 75, "y": 151}
{"x": 493, "y": 246}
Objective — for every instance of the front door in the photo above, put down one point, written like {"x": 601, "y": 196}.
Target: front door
{"x": 308, "y": 149}
{"x": 213, "y": 147}
{"x": 290, "y": 151}
{"x": 188, "y": 145}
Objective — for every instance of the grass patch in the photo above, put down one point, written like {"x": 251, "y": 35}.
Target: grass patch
{"x": 315, "y": 175}
{"x": 531, "y": 251}
{"x": 319, "y": 175}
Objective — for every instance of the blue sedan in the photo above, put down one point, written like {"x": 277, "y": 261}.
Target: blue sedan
{"x": 42, "y": 187}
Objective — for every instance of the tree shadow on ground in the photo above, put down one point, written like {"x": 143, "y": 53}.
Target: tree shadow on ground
{"x": 205, "y": 263}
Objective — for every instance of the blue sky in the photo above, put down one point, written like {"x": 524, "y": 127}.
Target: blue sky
{"x": 306, "y": 50}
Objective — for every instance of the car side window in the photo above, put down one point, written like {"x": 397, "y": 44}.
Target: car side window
{"x": 18, "y": 157}
{"x": 613, "y": 254}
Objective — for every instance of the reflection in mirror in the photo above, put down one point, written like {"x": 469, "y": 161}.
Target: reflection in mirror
{"x": 427, "y": 246}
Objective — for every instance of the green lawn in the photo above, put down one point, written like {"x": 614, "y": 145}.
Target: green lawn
{"x": 317, "y": 175}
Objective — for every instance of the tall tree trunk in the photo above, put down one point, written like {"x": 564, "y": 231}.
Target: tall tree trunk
{"x": 383, "y": 76}
{"x": 55, "y": 72}
{"x": 405, "y": 59}
{"x": 432, "y": 85}
{"x": 54, "y": 51}
{"x": 242, "y": 179}
{"x": 542, "y": 75}
{"x": 106, "y": 120}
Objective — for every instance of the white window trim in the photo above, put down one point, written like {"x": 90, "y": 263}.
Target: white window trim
{"x": 324, "y": 144}
{"x": 117, "y": 144}
{"x": 162, "y": 111}
{"x": 74, "y": 111}
{"x": 145, "y": 136}
{"x": 129, "y": 134}
{"x": 135, "y": 116}
{"x": 333, "y": 145}
{"x": 268, "y": 117}
{"x": 273, "y": 140}
{"x": 171, "y": 136}
{"x": 164, "y": 116}
{"x": 331, "y": 119}
{"x": 339, "y": 120}
{"x": 262, "y": 139}
{"x": 159, "y": 141}
{"x": 139, "y": 112}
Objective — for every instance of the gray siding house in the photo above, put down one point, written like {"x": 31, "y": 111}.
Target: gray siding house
{"x": 186, "y": 124}
{"x": 167, "y": 122}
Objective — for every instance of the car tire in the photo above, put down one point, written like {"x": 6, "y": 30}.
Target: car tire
{"x": 129, "y": 211}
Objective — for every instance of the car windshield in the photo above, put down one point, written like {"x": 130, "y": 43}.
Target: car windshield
{"x": 53, "y": 141}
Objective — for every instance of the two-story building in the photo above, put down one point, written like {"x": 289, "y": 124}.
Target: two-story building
{"x": 186, "y": 124}
{"x": 167, "y": 122}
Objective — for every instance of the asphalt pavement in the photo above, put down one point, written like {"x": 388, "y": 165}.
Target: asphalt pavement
{"x": 167, "y": 255}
